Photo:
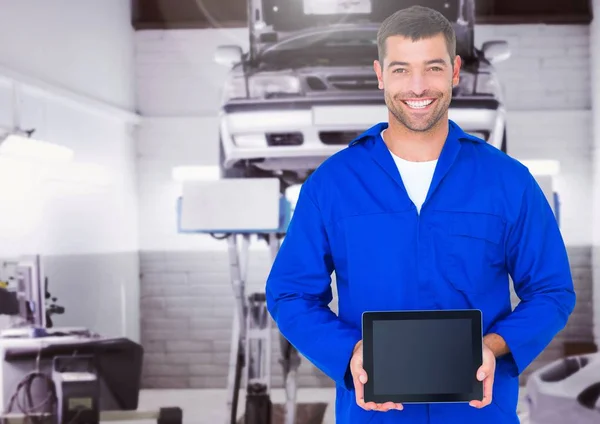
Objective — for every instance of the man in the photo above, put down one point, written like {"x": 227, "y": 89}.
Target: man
{"x": 417, "y": 214}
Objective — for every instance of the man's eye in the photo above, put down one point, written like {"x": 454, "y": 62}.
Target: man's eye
{"x": 399, "y": 70}
{"x": 436, "y": 69}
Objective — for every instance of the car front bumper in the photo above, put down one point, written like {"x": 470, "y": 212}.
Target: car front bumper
{"x": 299, "y": 135}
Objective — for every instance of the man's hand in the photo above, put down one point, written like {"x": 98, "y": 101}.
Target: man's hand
{"x": 486, "y": 374}
{"x": 359, "y": 376}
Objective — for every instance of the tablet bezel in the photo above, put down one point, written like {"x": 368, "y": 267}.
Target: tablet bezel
{"x": 474, "y": 315}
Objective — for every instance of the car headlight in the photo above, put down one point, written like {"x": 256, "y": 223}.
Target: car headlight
{"x": 466, "y": 84}
{"x": 261, "y": 86}
{"x": 487, "y": 84}
{"x": 477, "y": 84}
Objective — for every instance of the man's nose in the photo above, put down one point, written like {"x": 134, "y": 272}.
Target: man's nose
{"x": 418, "y": 83}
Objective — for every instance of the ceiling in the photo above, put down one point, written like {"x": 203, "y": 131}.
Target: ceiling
{"x": 166, "y": 14}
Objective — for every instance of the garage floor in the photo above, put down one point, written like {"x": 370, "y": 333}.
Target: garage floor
{"x": 209, "y": 406}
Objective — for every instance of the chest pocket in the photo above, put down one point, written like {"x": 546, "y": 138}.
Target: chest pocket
{"x": 474, "y": 249}
{"x": 380, "y": 258}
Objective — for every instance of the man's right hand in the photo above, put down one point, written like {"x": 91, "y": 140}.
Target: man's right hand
{"x": 359, "y": 376}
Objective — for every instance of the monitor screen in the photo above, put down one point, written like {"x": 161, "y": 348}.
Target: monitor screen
{"x": 30, "y": 291}
{"x": 428, "y": 356}
{"x": 422, "y": 356}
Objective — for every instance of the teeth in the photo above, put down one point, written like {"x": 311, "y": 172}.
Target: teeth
{"x": 418, "y": 104}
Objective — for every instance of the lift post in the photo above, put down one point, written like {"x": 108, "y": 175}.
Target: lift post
{"x": 236, "y": 210}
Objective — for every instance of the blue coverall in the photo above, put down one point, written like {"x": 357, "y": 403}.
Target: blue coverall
{"x": 484, "y": 218}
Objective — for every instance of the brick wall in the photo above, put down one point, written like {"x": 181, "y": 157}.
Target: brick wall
{"x": 549, "y": 68}
{"x": 187, "y": 304}
{"x": 186, "y": 299}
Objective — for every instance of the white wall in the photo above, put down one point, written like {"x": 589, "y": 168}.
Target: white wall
{"x": 71, "y": 67}
{"x": 83, "y": 45}
{"x": 178, "y": 90}
{"x": 80, "y": 48}
{"x": 595, "y": 88}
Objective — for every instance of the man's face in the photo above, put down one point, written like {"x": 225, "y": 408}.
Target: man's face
{"x": 417, "y": 78}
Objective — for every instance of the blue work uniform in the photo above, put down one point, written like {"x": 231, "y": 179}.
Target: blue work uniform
{"x": 484, "y": 218}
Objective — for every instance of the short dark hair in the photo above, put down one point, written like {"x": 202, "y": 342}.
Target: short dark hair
{"x": 416, "y": 23}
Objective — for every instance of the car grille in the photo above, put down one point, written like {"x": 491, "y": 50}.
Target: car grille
{"x": 338, "y": 137}
{"x": 353, "y": 82}
{"x": 342, "y": 82}
{"x": 285, "y": 139}
{"x": 316, "y": 83}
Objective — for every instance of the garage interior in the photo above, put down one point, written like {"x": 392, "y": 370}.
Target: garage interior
{"x": 132, "y": 88}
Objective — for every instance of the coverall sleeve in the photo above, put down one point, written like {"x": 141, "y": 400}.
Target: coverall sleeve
{"x": 538, "y": 264}
{"x": 298, "y": 292}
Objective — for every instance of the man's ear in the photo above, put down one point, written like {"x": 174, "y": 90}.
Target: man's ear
{"x": 456, "y": 70}
{"x": 377, "y": 67}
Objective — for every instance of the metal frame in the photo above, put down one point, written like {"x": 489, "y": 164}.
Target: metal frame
{"x": 252, "y": 326}
{"x": 251, "y": 346}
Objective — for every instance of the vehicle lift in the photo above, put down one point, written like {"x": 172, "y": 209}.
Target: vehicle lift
{"x": 236, "y": 210}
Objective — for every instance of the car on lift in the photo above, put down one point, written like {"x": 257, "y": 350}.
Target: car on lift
{"x": 305, "y": 87}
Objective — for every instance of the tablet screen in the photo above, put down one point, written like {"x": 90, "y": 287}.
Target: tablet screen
{"x": 422, "y": 356}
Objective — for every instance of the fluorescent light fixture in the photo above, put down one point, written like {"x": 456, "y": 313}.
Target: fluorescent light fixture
{"x": 196, "y": 173}
{"x": 81, "y": 174}
{"x": 542, "y": 166}
{"x": 23, "y": 147}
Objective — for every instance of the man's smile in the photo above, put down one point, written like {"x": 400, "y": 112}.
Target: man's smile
{"x": 419, "y": 104}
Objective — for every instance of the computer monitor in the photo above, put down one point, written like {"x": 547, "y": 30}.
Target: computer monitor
{"x": 30, "y": 291}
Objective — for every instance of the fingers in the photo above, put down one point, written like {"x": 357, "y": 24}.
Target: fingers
{"x": 488, "y": 384}
{"x": 360, "y": 378}
{"x": 358, "y": 372}
{"x": 486, "y": 369}
{"x": 384, "y": 407}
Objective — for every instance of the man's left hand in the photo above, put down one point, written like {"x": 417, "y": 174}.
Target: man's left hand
{"x": 486, "y": 374}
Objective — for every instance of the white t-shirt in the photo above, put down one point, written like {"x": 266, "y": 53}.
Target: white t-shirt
{"x": 416, "y": 177}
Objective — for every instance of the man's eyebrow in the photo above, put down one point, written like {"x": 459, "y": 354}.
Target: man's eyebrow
{"x": 429, "y": 62}
{"x": 436, "y": 61}
{"x": 397, "y": 63}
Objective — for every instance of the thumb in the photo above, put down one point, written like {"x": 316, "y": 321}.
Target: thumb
{"x": 484, "y": 371}
{"x": 359, "y": 372}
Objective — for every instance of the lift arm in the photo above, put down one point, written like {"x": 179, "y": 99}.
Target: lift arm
{"x": 239, "y": 210}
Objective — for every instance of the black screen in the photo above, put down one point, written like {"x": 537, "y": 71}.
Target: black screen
{"x": 413, "y": 357}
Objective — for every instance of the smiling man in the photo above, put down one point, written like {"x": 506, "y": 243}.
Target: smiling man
{"x": 418, "y": 214}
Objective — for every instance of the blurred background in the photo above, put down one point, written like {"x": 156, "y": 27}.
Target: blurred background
{"x": 146, "y": 95}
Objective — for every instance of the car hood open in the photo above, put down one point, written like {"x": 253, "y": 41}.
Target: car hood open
{"x": 276, "y": 22}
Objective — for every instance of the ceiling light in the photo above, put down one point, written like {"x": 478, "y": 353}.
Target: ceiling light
{"x": 23, "y": 147}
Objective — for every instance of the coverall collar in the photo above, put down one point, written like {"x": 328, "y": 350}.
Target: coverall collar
{"x": 373, "y": 142}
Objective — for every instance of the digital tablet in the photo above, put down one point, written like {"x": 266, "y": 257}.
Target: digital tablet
{"x": 422, "y": 356}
